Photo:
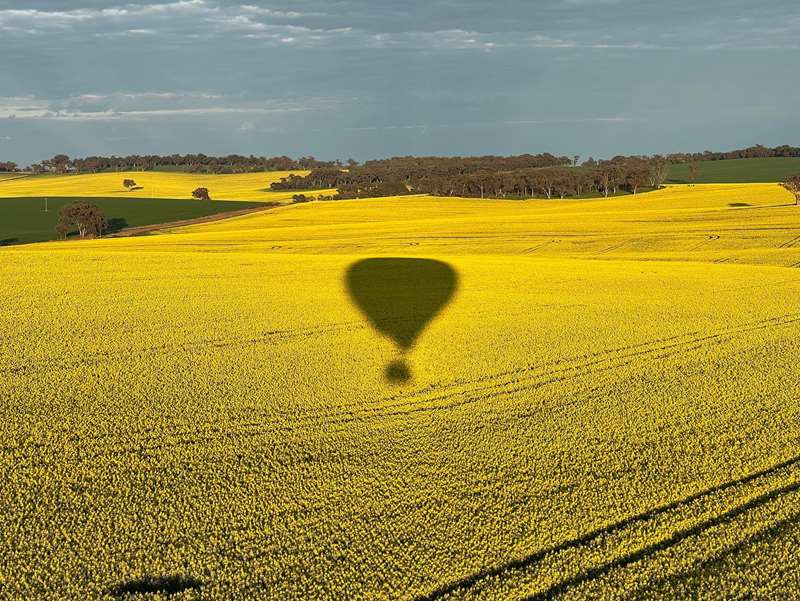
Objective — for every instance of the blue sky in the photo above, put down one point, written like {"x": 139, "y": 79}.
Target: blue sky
{"x": 376, "y": 78}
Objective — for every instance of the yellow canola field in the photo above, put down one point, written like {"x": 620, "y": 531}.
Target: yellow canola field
{"x": 612, "y": 415}
{"x": 151, "y": 184}
{"x": 732, "y": 223}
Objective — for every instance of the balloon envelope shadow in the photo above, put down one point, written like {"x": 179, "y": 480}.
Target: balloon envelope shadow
{"x": 400, "y": 296}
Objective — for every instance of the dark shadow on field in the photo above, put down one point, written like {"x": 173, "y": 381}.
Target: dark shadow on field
{"x": 115, "y": 224}
{"x": 400, "y": 296}
{"x": 744, "y": 205}
{"x": 599, "y": 571}
{"x": 165, "y": 585}
{"x": 8, "y": 241}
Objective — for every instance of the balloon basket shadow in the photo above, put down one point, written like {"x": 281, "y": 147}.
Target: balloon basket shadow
{"x": 398, "y": 372}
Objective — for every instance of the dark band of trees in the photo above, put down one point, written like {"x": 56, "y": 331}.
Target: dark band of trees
{"x": 752, "y": 152}
{"x": 191, "y": 163}
{"x": 497, "y": 177}
{"x": 412, "y": 166}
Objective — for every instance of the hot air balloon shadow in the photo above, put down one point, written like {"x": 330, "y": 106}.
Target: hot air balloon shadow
{"x": 400, "y": 297}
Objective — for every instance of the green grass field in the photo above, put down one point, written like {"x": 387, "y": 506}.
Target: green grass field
{"x": 737, "y": 171}
{"x": 23, "y": 220}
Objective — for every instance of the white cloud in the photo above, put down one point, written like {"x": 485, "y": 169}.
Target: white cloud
{"x": 181, "y": 112}
{"x": 480, "y": 124}
{"x": 137, "y": 106}
{"x": 278, "y": 14}
{"x": 195, "y": 19}
{"x": 563, "y": 24}
{"x": 22, "y": 107}
{"x": 577, "y": 120}
{"x": 386, "y": 127}
{"x": 191, "y": 19}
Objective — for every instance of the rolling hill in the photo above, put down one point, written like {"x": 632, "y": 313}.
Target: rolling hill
{"x": 605, "y": 405}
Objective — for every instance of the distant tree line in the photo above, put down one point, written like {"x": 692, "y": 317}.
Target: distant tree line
{"x": 329, "y": 173}
{"x": 753, "y": 152}
{"x": 190, "y": 163}
{"x": 522, "y": 176}
{"x": 410, "y": 170}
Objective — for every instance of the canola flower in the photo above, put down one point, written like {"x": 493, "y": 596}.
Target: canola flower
{"x": 606, "y": 408}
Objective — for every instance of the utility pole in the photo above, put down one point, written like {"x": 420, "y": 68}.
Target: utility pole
{"x": 45, "y": 204}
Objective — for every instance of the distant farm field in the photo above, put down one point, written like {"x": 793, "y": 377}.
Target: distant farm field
{"x": 150, "y": 184}
{"x": 601, "y": 402}
{"x": 737, "y": 170}
{"x": 24, "y": 220}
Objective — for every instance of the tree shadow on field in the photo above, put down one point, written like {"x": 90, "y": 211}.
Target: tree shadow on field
{"x": 116, "y": 224}
{"x": 165, "y": 585}
{"x": 400, "y": 296}
{"x": 8, "y": 241}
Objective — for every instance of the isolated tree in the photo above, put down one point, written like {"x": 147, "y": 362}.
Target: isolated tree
{"x": 129, "y": 184}
{"x": 88, "y": 219}
{"x": 792, "y": 184}
{"x": 201, "y": 194}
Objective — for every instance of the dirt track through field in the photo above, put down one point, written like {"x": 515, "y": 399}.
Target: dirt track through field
{"x": 144, "y": 230}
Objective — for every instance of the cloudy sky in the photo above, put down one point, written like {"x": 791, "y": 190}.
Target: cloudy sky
{"x": 376, "y": 78}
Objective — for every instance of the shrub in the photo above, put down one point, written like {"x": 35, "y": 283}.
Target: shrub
{"x": 201, "y": 194}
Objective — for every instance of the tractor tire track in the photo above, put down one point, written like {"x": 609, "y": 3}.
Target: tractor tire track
{"x": 450, "y": 396}
{"x": 597, "y": 534}
{"x": 532, "y": 377}
{"x": 761, "y": 535}
{"x": 790, "y": 243}
{"x": 710, "y": 238}
{"x": 268, "y": 337}
{"x": 664, "y": 544}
